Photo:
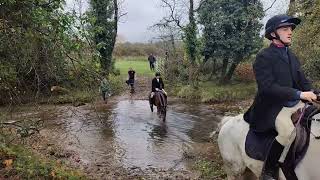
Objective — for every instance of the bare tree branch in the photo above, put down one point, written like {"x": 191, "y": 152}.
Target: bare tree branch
{"x": 173, "y": 17}
{"x": 270, "y": 6}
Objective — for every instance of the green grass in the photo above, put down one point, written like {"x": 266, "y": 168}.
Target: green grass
{"x": 132, "y": 58}
{"x": 211, "y": 92}
{"x": 140, "y": 65}
{"x": 231, "y": 92}
{"x": 210, "y": 169}
{"x": 26, "y": 165}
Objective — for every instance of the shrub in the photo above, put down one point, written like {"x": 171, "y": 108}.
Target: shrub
{"x": 116, "y": 83}
{"x": 244, "y": 72}
{"x": 188, "y": 92}
{"x": 307, "y": 42}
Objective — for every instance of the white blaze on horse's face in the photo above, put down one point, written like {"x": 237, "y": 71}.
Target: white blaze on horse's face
{"x": 231, "y": 140}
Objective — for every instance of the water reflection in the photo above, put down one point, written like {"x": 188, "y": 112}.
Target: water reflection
{"x": 159, "y": 132}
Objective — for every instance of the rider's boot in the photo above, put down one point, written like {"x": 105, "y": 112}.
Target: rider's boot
{"x": 270, "y": 169}
{"x": 288, "y": 168}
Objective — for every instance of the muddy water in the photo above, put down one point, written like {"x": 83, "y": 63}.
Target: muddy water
{"x": 147, "y": 141}
{"x": 127, "y": 134}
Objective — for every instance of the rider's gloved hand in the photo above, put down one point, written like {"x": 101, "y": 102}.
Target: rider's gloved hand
{"x": 308, "y": 95}
{"x": 157, "y": 89}
{"x": 316, "y": 91}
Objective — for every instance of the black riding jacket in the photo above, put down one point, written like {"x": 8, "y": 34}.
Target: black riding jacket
{"x": 279, "y": 78}
{"x": 156, "y": 84}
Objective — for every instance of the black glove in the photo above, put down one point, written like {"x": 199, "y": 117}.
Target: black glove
{"x": 317, "y": 92}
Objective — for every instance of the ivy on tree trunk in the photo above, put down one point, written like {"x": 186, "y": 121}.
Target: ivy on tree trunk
{"x": 105, "y": 27}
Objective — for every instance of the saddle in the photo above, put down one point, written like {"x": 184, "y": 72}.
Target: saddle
{"x": 257, "y": 144}
{"x": 161, "y": 96}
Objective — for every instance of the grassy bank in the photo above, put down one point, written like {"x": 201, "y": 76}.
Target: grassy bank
{"x": 81, "y": 96}
{"x": 209, "y": 169}
{"x": 18, "y": 162}
{"x": 211, "y": 92}
{"x": 208, "y": 161}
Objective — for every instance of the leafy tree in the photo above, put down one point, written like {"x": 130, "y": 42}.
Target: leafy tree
{"x": 41, "y": 46}
{"x": 231, "y": 32}
{"x": 105, "y": 26}
{"x": 306, "y": 41}
{"x": 32, "y": 35}
{"x": 301, "y": 7}
{"x": 191, "y": 34}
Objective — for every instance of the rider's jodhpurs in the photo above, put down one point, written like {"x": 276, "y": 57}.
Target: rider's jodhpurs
{"x": 284, "y": 125}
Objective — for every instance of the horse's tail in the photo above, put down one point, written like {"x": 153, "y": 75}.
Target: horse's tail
{"x": 223, "y": 121}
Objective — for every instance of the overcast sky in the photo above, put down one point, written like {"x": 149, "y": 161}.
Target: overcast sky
{"x": 141, "y": 14}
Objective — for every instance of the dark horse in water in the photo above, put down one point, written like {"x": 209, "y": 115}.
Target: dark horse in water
{"x": 160, "y": 100}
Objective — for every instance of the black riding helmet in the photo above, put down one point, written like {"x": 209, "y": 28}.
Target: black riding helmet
{"x": 279, "y": 21}
{"x": 157, "y": 74}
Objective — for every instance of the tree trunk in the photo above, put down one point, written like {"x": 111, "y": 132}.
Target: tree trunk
{"x": 173, "y": 45}
{"x": 230, "y": 72}
{"x": 232, "y": 68}
{"x": 223, "y": 70}
{"x": 191, "y": 43}
{"x": 116, "y": 20}
{"x": 214, "y": 69}
{"x": 41, "y": 70}
{"x": 191, "y": 35}
{"x": 206, "y": 58}
{"x": 107, "y": 17}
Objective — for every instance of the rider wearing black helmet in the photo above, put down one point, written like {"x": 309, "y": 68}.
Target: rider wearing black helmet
{"x": 157, "y": 86}
{"x": 157, "y": 83}
{"x": 281, "y": 85}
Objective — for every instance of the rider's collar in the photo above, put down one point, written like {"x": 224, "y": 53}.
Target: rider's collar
{"x": 278, "y": 45}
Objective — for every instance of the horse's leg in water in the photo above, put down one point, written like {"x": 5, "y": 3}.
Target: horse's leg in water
{"x": 151, "y": 102}
{"x": 159, "y": 110}
{"x": 163, "y": 113}
{"x": 151, "y": 107}
{"x": 132, "y": 88}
